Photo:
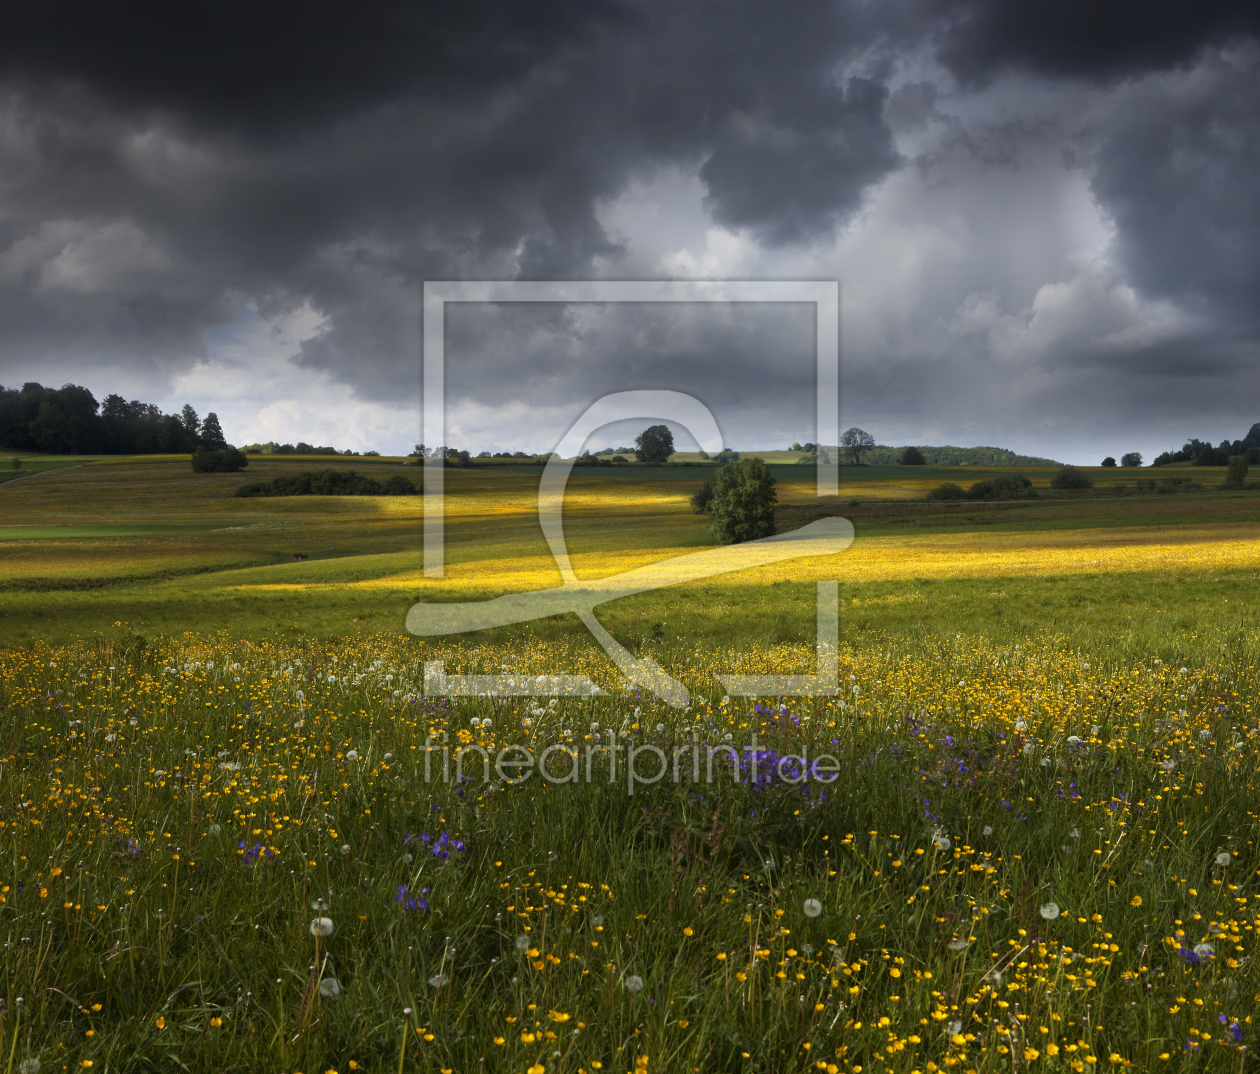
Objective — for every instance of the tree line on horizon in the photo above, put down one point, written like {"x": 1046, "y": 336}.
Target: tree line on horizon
{"x": 1202, "y": 453}
{"x": 69, "y": 421}
{"x": 858, "y": 448}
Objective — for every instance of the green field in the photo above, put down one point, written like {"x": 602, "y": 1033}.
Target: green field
{"x": 1039, "y": 849}
{"x": 147, "y": 542}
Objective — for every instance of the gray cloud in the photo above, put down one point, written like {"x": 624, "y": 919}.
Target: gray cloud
{"x": 1175, "y": 166}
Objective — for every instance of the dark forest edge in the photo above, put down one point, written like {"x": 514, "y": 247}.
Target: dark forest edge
{"x": 330, "y": 483}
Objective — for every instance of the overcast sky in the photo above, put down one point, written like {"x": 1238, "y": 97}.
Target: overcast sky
{"x": 1038, "y": 212}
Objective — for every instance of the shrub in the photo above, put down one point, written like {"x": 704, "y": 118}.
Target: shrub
{"x": 912, "y": 456}
{"x": 701, "y": 498}
{"x": 329, "y": 483}
{"x": 398, "y": 486}
{"x": 947, "y": 491}
{"x": 742, "y": 505}
{"x": 1071, "y": 478}
{"x": 1002, "y": 487}
{"x": 1133, "y": 458}
{"x": 1109, "y": 462}
{"x": 225, "y": 461}
{"x": 1237, "y": 475}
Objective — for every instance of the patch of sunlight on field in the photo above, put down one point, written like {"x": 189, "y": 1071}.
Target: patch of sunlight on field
{"x": 508, "y": 494}
{"x": 972, "y": 555}
{"x": 941, "y": 556}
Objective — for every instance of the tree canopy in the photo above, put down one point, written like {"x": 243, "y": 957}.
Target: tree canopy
{"x": 654, "y": 444}
{"x": 69, "y": 420}
{"x": 912, "y": 456}
{"x": 742, "y": 505}
{"x": 855, "y": 441}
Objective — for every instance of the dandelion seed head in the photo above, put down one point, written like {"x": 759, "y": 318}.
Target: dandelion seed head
{"x": 813, "y": 908}
{"x": 1049, "y": 910}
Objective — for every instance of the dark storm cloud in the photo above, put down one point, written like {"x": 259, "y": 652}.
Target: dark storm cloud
{"x": 1176, "y": 166}
{"x": 789, "y": 174}
{"x": 261, "y": 67}
{"x": 1091, "y": 39}
{"x": 339, "y": 157}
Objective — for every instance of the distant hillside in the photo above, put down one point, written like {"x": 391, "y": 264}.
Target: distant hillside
{"x": 956, "y": 456}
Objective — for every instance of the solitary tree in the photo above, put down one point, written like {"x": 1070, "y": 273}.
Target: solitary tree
{"x": 1237, "y": 474}
{"x": 654, "y": 444}
{"x": 1133, "y": 458}
{"x": 1109, "y": 462}
{"x": 212, "y": 432}
{"x": 1069, "y": 477}
{"x": 856, "y": 441}
{"x": 742, "y": 505}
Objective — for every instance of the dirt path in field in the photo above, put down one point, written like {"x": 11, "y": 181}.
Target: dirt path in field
{"x": 27, "y": 477}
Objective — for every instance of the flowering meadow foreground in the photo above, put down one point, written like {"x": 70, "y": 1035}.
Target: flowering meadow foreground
{"x": 224, "y": 855}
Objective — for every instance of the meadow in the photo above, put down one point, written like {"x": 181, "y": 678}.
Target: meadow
{"x": 1032, "y": 844}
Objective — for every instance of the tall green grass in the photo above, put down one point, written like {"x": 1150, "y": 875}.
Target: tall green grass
{"x": 1024, "y": 851}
